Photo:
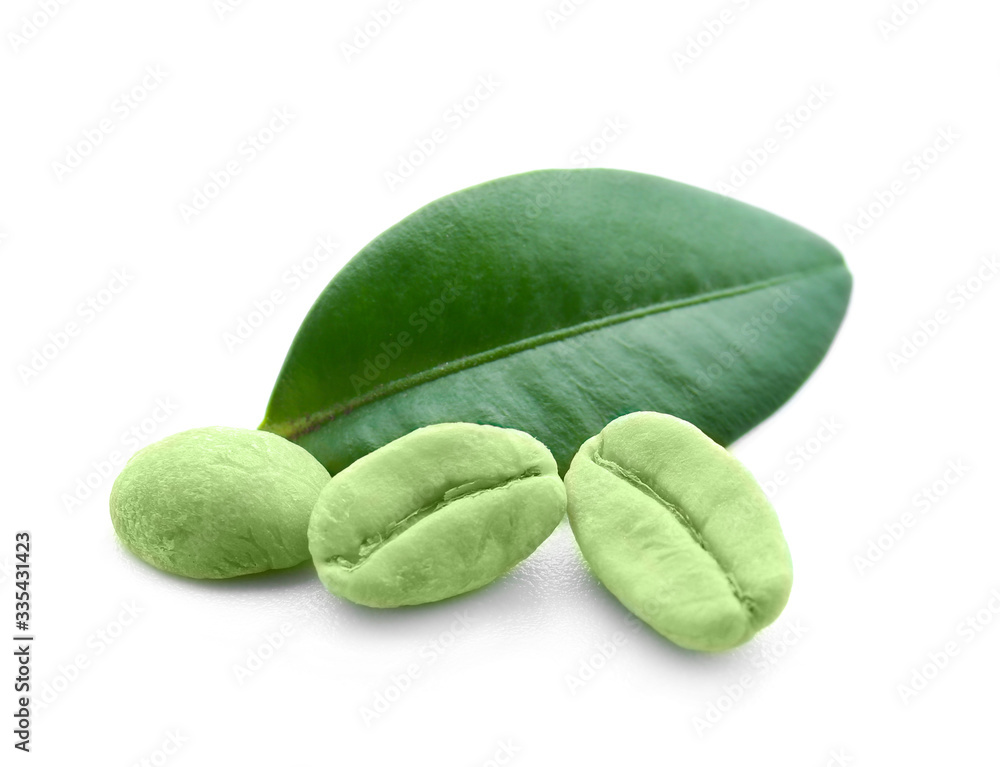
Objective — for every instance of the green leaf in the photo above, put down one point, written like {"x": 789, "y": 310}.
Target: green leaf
{"x": 554, "y": 302}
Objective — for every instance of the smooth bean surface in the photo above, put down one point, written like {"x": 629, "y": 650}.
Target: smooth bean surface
{"x": 218, "y": 502}
{"x": 679, "y": 531}
{"x": 438, "y": 512}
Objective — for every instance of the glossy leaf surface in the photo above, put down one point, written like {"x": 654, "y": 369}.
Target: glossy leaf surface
{"x": 555, "y": 301}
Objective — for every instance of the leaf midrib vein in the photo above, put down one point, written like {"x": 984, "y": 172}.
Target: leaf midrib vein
{"x": 300, "y": 426}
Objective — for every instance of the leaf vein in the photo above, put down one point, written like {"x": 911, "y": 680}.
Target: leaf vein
{"x": 301, "y": 426}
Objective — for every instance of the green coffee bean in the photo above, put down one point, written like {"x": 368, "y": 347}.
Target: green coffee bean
{"x": 217, "y": 502}
{"x": 438, "y": 512}
{"x": 679, "y": 531}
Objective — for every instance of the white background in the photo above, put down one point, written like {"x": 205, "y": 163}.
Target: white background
{"x": 528, "y": 674}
